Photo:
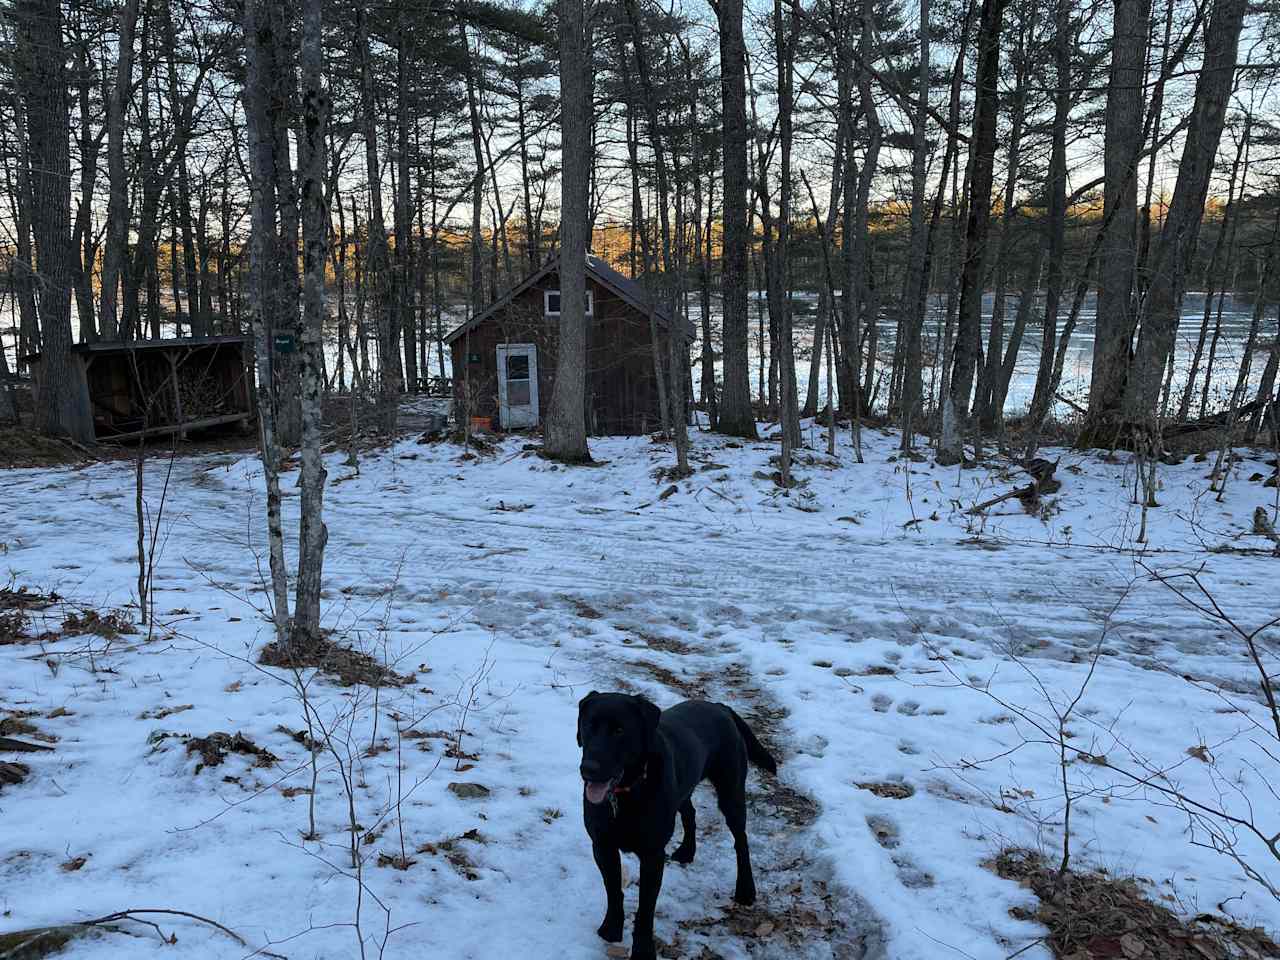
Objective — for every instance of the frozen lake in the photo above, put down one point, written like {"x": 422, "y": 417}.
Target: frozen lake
{"x": 1077, "y": 370}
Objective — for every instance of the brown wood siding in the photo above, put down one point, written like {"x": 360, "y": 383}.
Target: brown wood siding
{"x": 622, "y": 396}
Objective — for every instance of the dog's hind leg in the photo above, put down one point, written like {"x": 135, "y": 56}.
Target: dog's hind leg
{"x": 689, "y": 844}
{"x": 610, "y": 863}
{"x": 732, "y": 798}
{"x": 651, "y": 866}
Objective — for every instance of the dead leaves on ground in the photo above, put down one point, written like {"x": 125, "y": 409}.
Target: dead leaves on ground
{"x": 1094, "y": 916}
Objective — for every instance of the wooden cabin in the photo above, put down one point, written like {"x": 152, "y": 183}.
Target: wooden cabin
{"x": 154, "y": 387}
{"x": 504, "y": 358}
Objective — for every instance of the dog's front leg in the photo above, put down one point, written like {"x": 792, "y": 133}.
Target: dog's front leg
{"x": 610, "y": 863}
{"x": 651, "y": 865}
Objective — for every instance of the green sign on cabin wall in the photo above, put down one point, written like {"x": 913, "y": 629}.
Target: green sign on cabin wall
{"x": 473, "y": 358}
{"x": 283, "y": 343}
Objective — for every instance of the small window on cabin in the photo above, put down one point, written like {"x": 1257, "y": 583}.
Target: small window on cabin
{"x": 551, "y": 302}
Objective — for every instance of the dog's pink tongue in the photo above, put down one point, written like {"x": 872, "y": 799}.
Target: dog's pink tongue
{"x": 596, "y": 792}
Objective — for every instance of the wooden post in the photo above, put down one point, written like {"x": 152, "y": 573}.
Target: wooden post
{"x": 177, "y": 395}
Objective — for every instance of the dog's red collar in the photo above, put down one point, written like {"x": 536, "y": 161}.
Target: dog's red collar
{"x": 615, "y": 790}
{"x": 644, "y": 772}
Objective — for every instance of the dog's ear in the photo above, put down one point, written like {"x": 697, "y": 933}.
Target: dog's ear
{"x": 582, "y": 703}
{"x": 651, "y": 713}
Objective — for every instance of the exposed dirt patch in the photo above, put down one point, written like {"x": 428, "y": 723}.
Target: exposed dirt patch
{"x": 890, "y": 789}
{"x": 214, "y": 748}
{"x": 455, "y": 853}
{"x": 665, "y": 644}
{"x": 349, "y": 667}
{"x": 22, "y": 448}
{"x": 1094, "y": 915}
{"x": 582, "y": 608}
{"x": 689, "y": 689}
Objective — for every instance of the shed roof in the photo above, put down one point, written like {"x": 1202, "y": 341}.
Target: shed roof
{"x": 128, "y": 346}
{"x": 618, "y": 284}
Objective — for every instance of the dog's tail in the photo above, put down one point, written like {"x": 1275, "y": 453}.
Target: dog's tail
{"x": 756, "y": 752}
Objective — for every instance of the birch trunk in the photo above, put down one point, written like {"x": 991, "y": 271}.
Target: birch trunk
{"x": 312, "y": 534}
{"x": 265, "y": 306}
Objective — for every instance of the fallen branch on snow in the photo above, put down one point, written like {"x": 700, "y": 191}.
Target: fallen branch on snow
{"x": 19, "y": 942}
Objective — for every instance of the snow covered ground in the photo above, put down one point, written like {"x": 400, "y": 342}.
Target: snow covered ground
{"x": 856, "y": 623}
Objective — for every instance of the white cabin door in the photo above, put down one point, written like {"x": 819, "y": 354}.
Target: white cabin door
{"x": 517, "y": 385}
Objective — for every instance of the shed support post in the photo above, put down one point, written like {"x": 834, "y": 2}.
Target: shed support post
{"x": 177, "y": 395}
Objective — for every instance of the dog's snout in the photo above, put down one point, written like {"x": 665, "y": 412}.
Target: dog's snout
{"x": 591, "y": 772}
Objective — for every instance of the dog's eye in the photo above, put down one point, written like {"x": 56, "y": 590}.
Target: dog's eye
{"x": 616, "y": 730}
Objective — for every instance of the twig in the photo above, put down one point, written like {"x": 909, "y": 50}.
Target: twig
{"x": 132, "y": 914}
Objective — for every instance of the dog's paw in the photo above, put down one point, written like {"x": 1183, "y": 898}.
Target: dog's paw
{"x": 611, "y": 930}
{"x": 745, "y": 896}
{"x": 683, "y": 855}
{"x": 643, "y": 950}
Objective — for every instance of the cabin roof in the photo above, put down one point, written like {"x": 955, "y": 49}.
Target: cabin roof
{"x": 616, "y": 283}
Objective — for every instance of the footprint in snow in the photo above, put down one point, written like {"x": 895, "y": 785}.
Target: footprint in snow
{"x": 881, "y": 702}
{"x": 815, "y": 746}
{"x": 908, "y": 708}
{"x": 910, "y": 875}
{"x": 884, "y": 830}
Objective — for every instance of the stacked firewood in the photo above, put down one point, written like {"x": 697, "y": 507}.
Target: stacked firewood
{"x": 202, "y": 394}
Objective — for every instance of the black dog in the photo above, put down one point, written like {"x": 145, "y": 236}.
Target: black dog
{"x": 639, "y": 768}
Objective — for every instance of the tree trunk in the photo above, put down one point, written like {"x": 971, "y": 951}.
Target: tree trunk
{"x": 968, "y": 346}
{"x": 912, "y": 323}
{"x": 379, "y": 260}
{"x": 62, "y": 407}
{"x": 477, "y": 185}
{"x": 736, "y": 416}
{"x": 83, "y": 230}
{"x": 117, "y": 231}
{"x": 1227, "y": 227}
{"x": 312, "y": 533}
{"x": 675, "y": 334}
{"x": 1056, "y": 186}
{"x": 268, "y": 302}
{"x": 1117, "y": 257}
{"x": 404, "y": 210}
{"x": 990, "y": 414}
{"x": 566, "y": 430}
{"x": 1181, "y": 230}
